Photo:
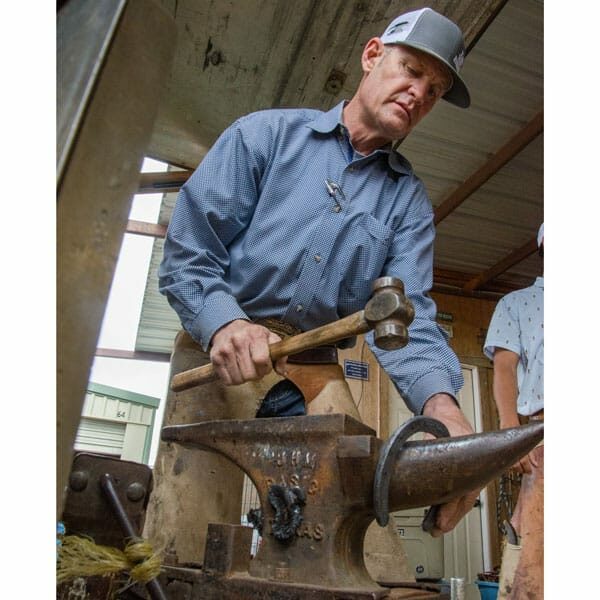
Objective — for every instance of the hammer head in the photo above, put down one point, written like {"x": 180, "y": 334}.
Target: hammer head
{"x": 389, "y": 312}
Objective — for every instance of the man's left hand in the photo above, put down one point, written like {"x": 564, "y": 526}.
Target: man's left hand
{"x": 443, "y": 408}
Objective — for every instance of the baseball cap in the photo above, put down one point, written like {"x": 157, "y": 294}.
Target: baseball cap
{"x": 540, "y": 235}
{"x": 434, "y": 34}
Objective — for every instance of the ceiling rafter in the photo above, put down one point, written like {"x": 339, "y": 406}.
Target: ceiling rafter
{"x": 144, "y": 228}
{"x": 516, "y": 143}
{"x": 516, "y": 256}
{"x": 457, "y": 280}
{"x": 162, "y": 182}
{"x": 133, "y": 354}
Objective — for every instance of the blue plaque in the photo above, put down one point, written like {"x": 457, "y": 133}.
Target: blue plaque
{"x": 356, "y": 369}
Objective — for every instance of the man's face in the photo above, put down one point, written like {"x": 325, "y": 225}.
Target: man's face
{"x": 401, "y": 86}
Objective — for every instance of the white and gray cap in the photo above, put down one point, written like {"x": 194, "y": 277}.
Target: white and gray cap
{"x": 438, "y": 36}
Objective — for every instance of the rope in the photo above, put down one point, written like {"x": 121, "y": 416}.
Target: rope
{"x": 81, "y": 557}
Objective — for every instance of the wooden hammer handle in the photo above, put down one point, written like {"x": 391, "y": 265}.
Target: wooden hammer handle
{"x": 352, "y": 325}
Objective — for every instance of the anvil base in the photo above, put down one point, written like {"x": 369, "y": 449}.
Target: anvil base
{"x": 196, "y": 584}
{"x": 225, "y": 576}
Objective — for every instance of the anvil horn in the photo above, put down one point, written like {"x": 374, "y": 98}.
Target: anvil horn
{"x": 436, "y": 471}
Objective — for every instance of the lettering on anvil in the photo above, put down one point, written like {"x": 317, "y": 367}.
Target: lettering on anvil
{"x": 314, "y": 531}
{"x": 292, "y": 481}
{"x": 288, "y": 457}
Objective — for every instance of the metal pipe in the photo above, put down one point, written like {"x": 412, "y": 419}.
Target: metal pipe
{"x": 107, "y": 484}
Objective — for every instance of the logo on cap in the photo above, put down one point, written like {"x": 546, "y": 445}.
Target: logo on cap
{"x": 458, "y": 60}
{"x": 397, "y": 27}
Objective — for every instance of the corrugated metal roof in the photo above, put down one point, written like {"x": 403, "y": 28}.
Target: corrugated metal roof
{"x": 504, "y": 72}
{"x": 159, "y": 323}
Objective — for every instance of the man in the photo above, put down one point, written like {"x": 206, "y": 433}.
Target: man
{"x": 515, "y": 342}
{"x": 293, "y": 214}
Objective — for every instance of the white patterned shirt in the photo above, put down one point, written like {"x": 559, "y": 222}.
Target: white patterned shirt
{"x": 518, "y": 325}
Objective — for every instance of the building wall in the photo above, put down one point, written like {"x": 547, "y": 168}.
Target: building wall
{"x": 117, "y": 422}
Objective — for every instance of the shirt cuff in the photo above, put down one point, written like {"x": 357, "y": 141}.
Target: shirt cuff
{"x": 435, "y": 382}
{"x": 218, "y": 310}
{"x": 493, "y": 344}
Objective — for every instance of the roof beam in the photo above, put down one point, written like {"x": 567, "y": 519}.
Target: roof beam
{"x": 144, "y": 228}
{"x": 447, "y": 276}
{"x": 133, "y": 355}
{"x": 474, "y": 31}
{"x": 486, "y": 294}
{"x": 459, "y": 279}
{"x": 162, "y": 182}
{"x": 506, "y": 263}
{"x": 491, "y": 167}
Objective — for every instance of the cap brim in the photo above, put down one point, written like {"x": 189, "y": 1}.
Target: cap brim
{"x": 458, "y": 94}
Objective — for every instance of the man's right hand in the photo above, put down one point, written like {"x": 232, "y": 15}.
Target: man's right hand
{"x": 444, "y": 408}
{"x": 240, "y": 352}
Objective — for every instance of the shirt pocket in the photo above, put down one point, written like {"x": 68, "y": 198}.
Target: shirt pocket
{"x": 367, "y": 246}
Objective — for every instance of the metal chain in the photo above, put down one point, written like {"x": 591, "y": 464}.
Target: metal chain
{"x": 508, "y": 485}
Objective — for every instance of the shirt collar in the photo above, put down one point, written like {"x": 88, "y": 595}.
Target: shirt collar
{"x": 539, "y": 282}
{"x": 329, "y": 121}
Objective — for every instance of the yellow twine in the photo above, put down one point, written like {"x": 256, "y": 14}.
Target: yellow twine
{"x": 81, "y": 557}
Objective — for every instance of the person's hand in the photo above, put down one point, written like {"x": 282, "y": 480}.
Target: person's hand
{"x": 240, "y": 352}
{"x": 523, "y": 465}
{"x": 443, "y": 408}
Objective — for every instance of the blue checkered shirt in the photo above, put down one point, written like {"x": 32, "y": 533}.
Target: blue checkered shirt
{"x": 283, "y": 219}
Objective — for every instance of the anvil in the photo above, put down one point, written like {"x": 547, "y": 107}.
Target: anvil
{"x": 319, "y": 479}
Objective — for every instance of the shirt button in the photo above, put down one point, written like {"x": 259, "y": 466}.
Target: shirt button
{"x": 299, "y": 308}
{"x": 317, "y": 258}
{"x": 337, "y": 208}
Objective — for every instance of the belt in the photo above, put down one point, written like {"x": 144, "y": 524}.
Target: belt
{"x": 538, "y": 416}
{"x": 313, "y": 356}
{"x": 323, "y": 355}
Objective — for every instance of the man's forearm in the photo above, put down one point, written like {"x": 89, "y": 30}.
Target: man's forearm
{"x": 505, "y": 387}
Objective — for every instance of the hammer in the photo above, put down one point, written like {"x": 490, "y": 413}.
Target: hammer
{"x": 388, "y": 312}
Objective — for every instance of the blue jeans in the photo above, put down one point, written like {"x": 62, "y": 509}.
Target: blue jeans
{"x": 284, "y": 399}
